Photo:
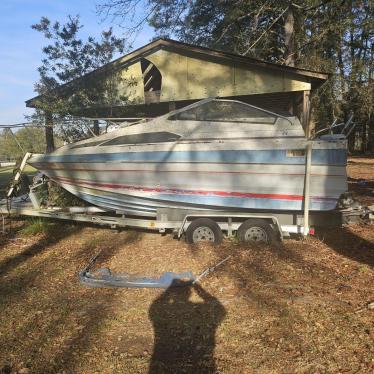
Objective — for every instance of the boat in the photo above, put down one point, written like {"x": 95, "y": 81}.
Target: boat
{"x": 215, "y": 154}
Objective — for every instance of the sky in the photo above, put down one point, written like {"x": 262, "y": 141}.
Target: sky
{"x": 21, "y": 47}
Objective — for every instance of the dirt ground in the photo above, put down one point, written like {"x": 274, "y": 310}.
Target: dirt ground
{"x": 303, "y": 306}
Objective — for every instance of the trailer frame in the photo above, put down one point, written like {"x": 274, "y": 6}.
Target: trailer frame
{"x": 176, "y": 220}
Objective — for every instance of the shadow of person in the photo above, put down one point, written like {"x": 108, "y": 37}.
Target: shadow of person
{"x": 185, "y": 330}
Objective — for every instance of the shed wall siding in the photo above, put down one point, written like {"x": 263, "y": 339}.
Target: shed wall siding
{"x": 187, "y": 73}
{"x": 131, "y": 84}
{"x": 188, "y": 78}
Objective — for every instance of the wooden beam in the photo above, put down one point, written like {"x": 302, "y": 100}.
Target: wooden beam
{"x": 172, "y": 106}
{"x": 292, "y": 106}
{"x": 96, "y": 128}
{"x": 147, "y": 83}
{"x": 147, "y": 70}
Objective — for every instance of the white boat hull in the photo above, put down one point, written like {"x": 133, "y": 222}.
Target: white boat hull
{"x": 260, "y": 179}
{"x": 253, "y": 163}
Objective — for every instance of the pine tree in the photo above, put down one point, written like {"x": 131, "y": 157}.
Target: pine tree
{"x": 66, "y": 58}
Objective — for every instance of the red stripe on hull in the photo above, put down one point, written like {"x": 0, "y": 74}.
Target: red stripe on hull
{"x": 178, "y": 191}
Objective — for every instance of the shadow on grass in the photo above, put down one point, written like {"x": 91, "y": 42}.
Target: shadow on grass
{"x": 51, "y": 237}
{"x": 67, "y": 318}
{"x": 269, "y": 280}
{"x": 15, "y": 283}
{"x": 255, "y": 265}
{"x": 184, "y": 331}
{"x": 254, "y": 271}
{"x": 344, "y": 242}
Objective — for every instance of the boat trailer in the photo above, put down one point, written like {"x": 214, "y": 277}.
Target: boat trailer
{"x": 179, "y": 221}
{"x": 104, "y": 277}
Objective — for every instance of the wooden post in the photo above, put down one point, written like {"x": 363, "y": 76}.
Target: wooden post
{"x": 292, "y": 106}
{"x": 96, "y": 128}
{"x": 172, "y": 106}
{"x": 308, "y": 159}
{"x": 50, "y": 144}
{"x": 306, "y": 113}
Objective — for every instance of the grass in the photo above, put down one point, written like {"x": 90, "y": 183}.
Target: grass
{"x": 268, "y": 310}
{"x": 302, "y": 307}
{"x": 38, "y": 226}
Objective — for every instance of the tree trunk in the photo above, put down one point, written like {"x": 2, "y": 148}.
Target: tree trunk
{"x": 289, "y": 37}
{"x": 341, "y": 65}
{"x": 50, "y": 144}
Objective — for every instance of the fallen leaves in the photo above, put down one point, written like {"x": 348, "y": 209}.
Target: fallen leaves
{"x": 302, "y": 307}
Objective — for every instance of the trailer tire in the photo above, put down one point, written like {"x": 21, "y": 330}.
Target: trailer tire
{"x": 204, "y": 229}
{"x": 256, "y": 230}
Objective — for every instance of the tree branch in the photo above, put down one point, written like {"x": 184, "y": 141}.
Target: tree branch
{"x": 266, "y": 31}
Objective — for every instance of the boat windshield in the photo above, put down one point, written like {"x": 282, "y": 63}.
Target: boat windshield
{"x": 226, "y": 111}
{"x": 143, "y": 138}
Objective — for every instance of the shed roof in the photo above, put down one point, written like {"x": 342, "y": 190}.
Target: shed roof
{"x": 314, "y": 77}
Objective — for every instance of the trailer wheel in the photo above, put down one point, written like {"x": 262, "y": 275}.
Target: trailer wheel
{"x": 255, "y": 230}
{"x": 203, "y": 230}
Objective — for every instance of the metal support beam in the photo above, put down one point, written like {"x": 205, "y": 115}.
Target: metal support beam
{"x": 308, "y": 168}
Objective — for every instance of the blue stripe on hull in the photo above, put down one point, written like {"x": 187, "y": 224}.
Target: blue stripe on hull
{"x": 319, "y": 157}
{"x": 126, "y": 203}
{"x": 252, "y": 203}
{"x": 112, "y": 205}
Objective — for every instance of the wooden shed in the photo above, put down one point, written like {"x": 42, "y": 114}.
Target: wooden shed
{"x": 167, "y": 74}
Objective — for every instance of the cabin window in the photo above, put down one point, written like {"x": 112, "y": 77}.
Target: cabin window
{"x": 225, "y": 111}
{"x": 145, "y": 138}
